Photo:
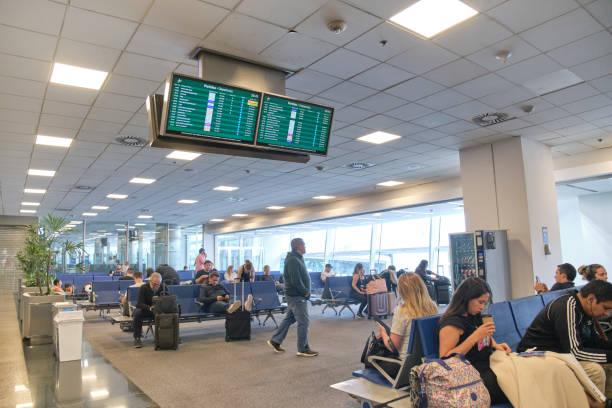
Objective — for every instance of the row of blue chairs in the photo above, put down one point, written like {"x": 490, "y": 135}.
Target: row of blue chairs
{"x": 336, "y": 293}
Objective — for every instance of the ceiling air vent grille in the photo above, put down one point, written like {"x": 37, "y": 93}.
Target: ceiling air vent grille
{"x": 360, "y": 165}
{"x": 491, "y": 118}
{"x": 131, "y": 141}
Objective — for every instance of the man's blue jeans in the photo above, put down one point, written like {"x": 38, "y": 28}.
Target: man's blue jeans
{"x": 297, "y": 311}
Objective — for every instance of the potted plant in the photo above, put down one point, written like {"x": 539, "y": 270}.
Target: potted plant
{"x": 37, "y": 258}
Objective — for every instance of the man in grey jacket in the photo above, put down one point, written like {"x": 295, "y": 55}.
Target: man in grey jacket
{"x": 297, "y": 292}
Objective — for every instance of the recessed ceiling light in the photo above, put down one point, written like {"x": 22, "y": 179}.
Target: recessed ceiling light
{"x": 97, "y": 394}
{"x": 53, "y": 141}
{"x": 275, "y": 207}
{"x": 430, "y": 17}
{"x": 377, "y": 214}
{"x": 187, "y": 201}
{"x": 324, "y": 197}
{"x": 27, "y": 211}
{"x": 140, "y": 224}
{"x": 34, "y": 191}
{"x": 240, "y": 215}
{"x": 225, "y": 188}
{"x": 390, "y": 183}
{"x": 181, "y": 155}
{"x": 378, "y": 137}
{"x": 44, "y": 173}
{"x": 145, "y": 216}
{"x": 89, "y": 214}
{"x": 140, "y": 180}
{"x": 75, "y": 222}
{"x": 217, "y": 220}
{"x": 77, "y": 76}
{"x": 117, "y": 196}
{"x": 99, "y": 207}
{"x": 29, "y": 203}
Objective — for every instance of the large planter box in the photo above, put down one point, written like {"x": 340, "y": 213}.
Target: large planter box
{"x": 38, "y": 317}
{"x": 21, "y": 307}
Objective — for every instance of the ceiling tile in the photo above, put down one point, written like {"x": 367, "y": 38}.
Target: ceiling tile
{"x": 483, "y": 5}
{"x": 386, "y": 9}
{"x": 143, "y": 67}
{"x": 24, "y": 68}
{"x": 8, "y": 115}
{"x": 409, "y": 112}
{"x": 529, "y": 69}
{"x": 406, "y": 129}
{"x": 343, "y": 63}
{"x": 120, "y": 102}
{"x": 594, "y": 69}
{"x": 97, "y": 28}
{"x": 382, "y": 76}
{"x": 131, "y": 10}
{"x": 86, "y": 55}
{"x": 60, "y": 121}
{"x": 572, "y": 148}
{"x": 415, "y": 89}
{"x": 587, "y": 104}
{"x": 65, "y": 93}
{"x": 507, "y": 97}
{"x": 190, "y": 17}
{"x": 433, "y": 120}
{"x": 422, "y": 57}
{"x": 47, "y": 17}
{"x": 580, "y": 51}
{"x": 599, "y": 113}
{"x": 109, "y": 115}
{"x": 27, "y": 44}
{"x": 457, "y": 127}
{"x": 573, "y": 93}
{"x": 456, "y": 72}
{"x": 519, "y": 49}
{"x": 347, "y": 92}
{"x": 380, "y": 122}
{"x": 484, "y": 85}
{"x": 65, "y": 109}
{"x": 472, "y": 35}
{"x": 397, "y": 41}
{"x": 159, "y": 43}
{"x": 20, "y": 103}
{"x": 356, "y": 20}
{"x": 295, "y": 51}
{"x": 520, "y": 15}
{"x": 124, "y": 85}
{"x": 381, "y": 102}
{"x": 245, "y": 33}
{"x": 56, "y": 131}
{"x": 602, "y": 11}
{"x": 287, "y": 13}
{"x": 562, "y": 30}
{"x": 350, "y": 114}
{"x": 443, "y": 100}
{"x": 546, "y": 115}
{"x": 311, "y": 82}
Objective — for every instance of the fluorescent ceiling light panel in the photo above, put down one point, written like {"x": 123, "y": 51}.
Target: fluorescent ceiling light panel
{"x": 77, "y": 76}
{"x": 275, "y": 207}
{"x": 145, "y": 216}
{"x": 240, "y": 215}
{"x": 217, "y": 220}
{"x": 99, "y": 207}
{"x": 378, "y": 137}
{"x": 34, "y": 191}
{"x": 117, "y": 196}
{"x": 324, "y": 197}
{"x": 44, "y": 173}
{"x": 430, "y": 17}
{"x": 390, "y": 183}
{"x": 89, "y": 214}
{"x": 75, "y": 222}
{"x": 225, "y": 188}
{"x": 53, "y": 141}
{"x": 187, "y": 201}
{"x": 181, "y": 155}
{"x": 29, "y": 203}
{"x": 27, "y": 211}
{"x": 140, "y": 180}
{"x": 140, "y": 224}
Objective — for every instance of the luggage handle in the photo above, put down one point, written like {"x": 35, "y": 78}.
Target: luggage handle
{"x": 442, "y": 361}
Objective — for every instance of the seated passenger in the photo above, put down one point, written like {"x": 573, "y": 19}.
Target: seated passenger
{"x": 117, "y": 271}
{"x": 564, "y": 279}
{"x": 390, "y": 277}
{"x": 129, "y": 275}
{"x": 168, "y": 274}
{"x": 137, "y": 283}
{"x": 57, "y": 287}
{"x": 266, "y": 275}
{"x": 69, "y": 289}
{"x": 358, "y": 288}
{"x": 593, "y": 271}
{"x": 185, "y": 269}
{"x": 461, "y": 330}
{"x": 416, "y": 303}
{"x": 246, "y": 272}
{"x": 230, "y": 274}
{"x": 149, "y": 272}
{"x": 569, "y": 324}
{"x": 201, "y": 277}
{"x": 144, "y": 306}
{"x": 327, "y": 272}
{"x": 215, "y": 297}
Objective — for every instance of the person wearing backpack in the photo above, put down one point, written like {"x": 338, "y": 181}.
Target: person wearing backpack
{"x": 461, "y": 330}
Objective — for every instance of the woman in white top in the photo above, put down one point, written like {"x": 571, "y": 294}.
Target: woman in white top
{"x": 416, "y": 303}
{"x": 230, "y": 275}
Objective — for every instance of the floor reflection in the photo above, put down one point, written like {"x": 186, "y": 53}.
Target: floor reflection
{"x": 91, "y": 382}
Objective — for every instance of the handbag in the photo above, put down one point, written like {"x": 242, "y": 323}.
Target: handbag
{"x": 375, "y": 346}
{"x": 376, "y": 286}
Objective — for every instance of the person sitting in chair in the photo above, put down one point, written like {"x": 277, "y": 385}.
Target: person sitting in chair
{"x": 216, "y": 298}
{"x": 144, "y": 307}
{"x": 564, "y": 279}
{"x": 202, "y": 275}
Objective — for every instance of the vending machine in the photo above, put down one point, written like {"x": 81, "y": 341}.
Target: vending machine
{"x": 482, "y": 254}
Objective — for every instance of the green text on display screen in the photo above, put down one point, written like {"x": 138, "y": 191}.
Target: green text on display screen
{"x": 211, "y": 111}
{"x": 296, "y": 125}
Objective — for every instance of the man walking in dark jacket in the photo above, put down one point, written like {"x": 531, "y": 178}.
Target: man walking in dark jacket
{"x": 297, "y": 292}
{"x": 216, "y": 298}
{"x": 568, "y": 324}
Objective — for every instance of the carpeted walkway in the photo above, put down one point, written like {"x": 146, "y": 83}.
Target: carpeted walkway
{"x": 208, "y": 372}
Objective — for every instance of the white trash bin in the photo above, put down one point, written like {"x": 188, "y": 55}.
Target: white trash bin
{"x": 68, "y": 334}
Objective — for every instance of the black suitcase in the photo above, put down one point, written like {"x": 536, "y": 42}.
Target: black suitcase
{"x": 166, "y": 331}
{"x": 238, "y": 324}
{"x": 431, "y": 290}
{"x": 443, "y": 294}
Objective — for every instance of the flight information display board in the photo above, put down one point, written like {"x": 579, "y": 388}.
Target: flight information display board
{"x": 201, "y": 109}
{"x": 287, "y": 123}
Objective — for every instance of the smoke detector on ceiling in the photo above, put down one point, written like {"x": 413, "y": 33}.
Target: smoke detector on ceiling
{"x": 336, "y": 26}
{"x": 84, "y": 188}
{"x": 134, "y": 141}
{"x": 360, "y": 165}
{"x": 491, "y": 118}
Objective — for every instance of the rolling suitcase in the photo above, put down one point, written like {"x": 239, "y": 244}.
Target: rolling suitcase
{"x": 238, "y": 324}
{"x": 378, "y": 305}
{"x": 443, "y": 294}
{"x": 392, "y": 302}
{"x": 166, "y": 322}
{"x": 431, "y": 290}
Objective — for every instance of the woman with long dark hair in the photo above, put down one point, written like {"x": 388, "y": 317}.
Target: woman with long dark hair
{"x": 358, "y": 291}
{"x": 461, "y": 330}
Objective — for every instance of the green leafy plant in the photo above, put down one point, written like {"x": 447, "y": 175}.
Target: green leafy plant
{"x": 37, "y": 257}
